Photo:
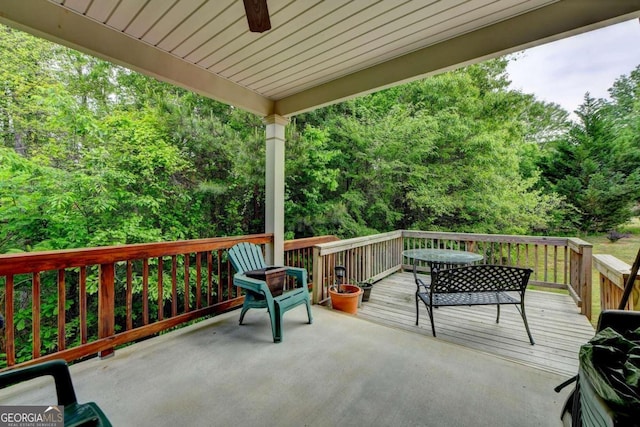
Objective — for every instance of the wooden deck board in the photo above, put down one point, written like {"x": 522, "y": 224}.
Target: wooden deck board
{"x": 556, "y": 324}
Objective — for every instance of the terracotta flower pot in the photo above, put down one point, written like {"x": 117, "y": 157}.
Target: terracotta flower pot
{"x": 347, "y": 300}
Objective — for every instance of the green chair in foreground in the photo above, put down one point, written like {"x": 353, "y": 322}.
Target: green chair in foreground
{"x": 75, "y": 414}
{"x": 247, "y": 258}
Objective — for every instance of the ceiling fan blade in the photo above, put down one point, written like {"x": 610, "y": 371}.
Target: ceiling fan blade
{"x": 257, "y": 15}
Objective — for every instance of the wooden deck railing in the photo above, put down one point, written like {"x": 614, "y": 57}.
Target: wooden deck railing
{"x": 558, "y": 262}
{"x": 75, "y": 303}
{"x": 613, "y": 275}
{"x": 299, "y": 252}
{"x": 365, "y": 258}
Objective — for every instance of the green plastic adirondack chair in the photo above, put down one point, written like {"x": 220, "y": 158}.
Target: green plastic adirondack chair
{"x": 75, "y": 414}
{"x": 246, "y": 257}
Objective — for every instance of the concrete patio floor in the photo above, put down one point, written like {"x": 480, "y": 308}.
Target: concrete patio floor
{"x": 339, "y": 371}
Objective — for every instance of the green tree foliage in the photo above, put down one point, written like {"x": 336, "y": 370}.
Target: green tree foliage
{"x": 123, "y": 158}
{"x": 624, "y": 114}
{"x": 140, "y": 160}
{"x": 595, "y": 166}
{"x": 449, "y": 152}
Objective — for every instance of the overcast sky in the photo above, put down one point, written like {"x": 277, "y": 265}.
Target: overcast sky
{"x": 563, "y": 71}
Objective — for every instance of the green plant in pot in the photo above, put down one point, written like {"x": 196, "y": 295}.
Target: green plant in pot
{"x": 344, "y": 297}
{"x": 366, "y": 287}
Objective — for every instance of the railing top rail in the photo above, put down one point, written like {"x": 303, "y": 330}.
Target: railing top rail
{"x": 306, "y": 242}
{"x": 499, "y": 238}
{"x": 54, "y": 260}
{"x": 577, "y": 244}
{"x": 614, "y": 269}
{"x": 343, "y": 245}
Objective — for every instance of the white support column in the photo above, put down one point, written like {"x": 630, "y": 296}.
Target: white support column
{"x": 274, "y": 191}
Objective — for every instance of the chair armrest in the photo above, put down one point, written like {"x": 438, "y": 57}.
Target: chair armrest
{"x": 58, "y": 369}
{"x": 251, "y": 284}
{"x": 300, "y": 274}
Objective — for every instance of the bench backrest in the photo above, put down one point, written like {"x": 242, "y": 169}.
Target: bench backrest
{"x": 246, "y": 256}
{"x": 480, "y": 278}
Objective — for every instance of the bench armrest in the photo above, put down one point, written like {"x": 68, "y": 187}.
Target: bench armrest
{"x": 420, "y": 283}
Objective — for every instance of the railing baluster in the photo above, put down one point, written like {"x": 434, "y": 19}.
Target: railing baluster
{"x": 555, "y": 264}
{"x": 198, "y": 281}
{"x": 62, "y": 302}
{"x": 230, "y": 282}
{"x": 536, "y": 269}
{"x": 10, "y": 345}
{"x": 209, "y": 278}
{"x": 174, "y": 285}
{"x": 129, "y": 296}
{"x": 35, "y": 315}
{"x": 106, "y": 305}
{"x": 82, "y": 279}
{"x": 219, "y": 298}
{"x": 160, "y": 289}
{"x": 565, "y": 279}
{"x": 546, "y": 262}
{"x": 187, "y": 285}
{"x": 145, "y": 291}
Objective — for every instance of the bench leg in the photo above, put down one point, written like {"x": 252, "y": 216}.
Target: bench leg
{"x": 498, "y": 317}
{"x": 429, "y": 312}
{"x": 526, "y": 324}
{"x": 433, "y": 326}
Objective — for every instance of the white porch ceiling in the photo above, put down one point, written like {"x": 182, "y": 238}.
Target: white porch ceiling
{"x": 318, "y": 51}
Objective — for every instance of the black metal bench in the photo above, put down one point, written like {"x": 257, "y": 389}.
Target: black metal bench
{"x": 475, "y": 285}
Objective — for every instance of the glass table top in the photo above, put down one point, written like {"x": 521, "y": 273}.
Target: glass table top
{"x": 444, "y": 256}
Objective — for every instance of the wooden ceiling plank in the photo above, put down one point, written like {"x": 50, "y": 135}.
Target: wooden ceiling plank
{"x": 171, "y": 20}
{"x": 440, "y": 32}
{"x": 79, "y": 6}
{"x": 148, "y": 16}
{"x": 561, "y": 19}
{"x": 236, "y": 34}
{"x": 101, "y": 10}
{"x": 362, "y": 53}
{"x": 277, "y": 49}
{"x": 196, "y": 35}
{"x": 312, "y": 64}
{"x": 285, "y": 24}
{"x": 333, "y": 41}
{"x": 125, "y": 13}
